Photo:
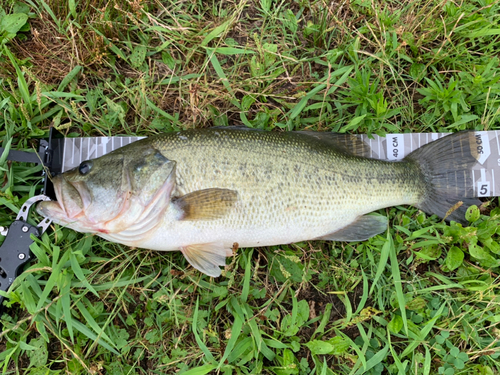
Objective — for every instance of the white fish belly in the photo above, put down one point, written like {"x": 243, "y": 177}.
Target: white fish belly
{"x": 265, "y": 228}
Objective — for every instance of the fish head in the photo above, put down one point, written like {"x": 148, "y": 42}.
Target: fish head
{"x": 112, "y": 193}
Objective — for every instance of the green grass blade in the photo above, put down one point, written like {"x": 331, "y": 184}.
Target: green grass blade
{"x": 384, "y": 256}
{"x": 201, "y": 370}
{"x": 248, "y": 274}
{"x": 75, "y": 266}
{"x": 427, "y": 362}
{"x": 235, "y": 331}
{"x": 160, "y": 111}
{"x": 354, "y": 346}
{"x": 229, "y": 51}
{"x": 215, "y": 33}
{"x": 53, "y": 279}
{"x": 236, "y": 350}
{"x": 483, "y": 33}
{"x": 91, "y": 322}
{"x": 401, "y": 366}
{"x": 417, "y": 340}
{"x": 218, "y": 69}
{"x": 92, "y": 336}
{"x": 345, "y": 71}
{"x": 398, "y": 285}
{"x": 5, "y": 152}
{"x": 194, "y": 328}
{"x": 324, "y": 320}
{"x": 66, "y": 305}
{"x": 23, "y": 85}
{"x": 303, "y": 102}
{"x": 69, "y": 77}
{"x": 375, "y": 360}
{"x": 125, "y": 281}
{"x": 365, "y": 295}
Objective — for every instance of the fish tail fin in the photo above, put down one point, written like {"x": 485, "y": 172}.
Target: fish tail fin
{"x": 446, "y": 165}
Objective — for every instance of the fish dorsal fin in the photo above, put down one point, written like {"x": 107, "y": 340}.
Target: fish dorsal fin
{"x": 236, "y": 127}
{"x": 361, "y": 229}
{"x": 347, "y": 143}
{"x": 207, "y": 204}
{"x": 206, "y": 258}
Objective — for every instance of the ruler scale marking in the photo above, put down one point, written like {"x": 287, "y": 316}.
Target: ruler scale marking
{"x": 493, "y": 181}
{"x": 473, "y": 183}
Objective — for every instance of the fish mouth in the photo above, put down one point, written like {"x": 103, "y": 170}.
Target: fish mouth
{"x": 69, "y": 203}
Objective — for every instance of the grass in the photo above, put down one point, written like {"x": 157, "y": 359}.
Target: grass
{"x": 421, "y": 299}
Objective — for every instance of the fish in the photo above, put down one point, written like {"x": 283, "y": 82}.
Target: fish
{"x": 205, "y": 191}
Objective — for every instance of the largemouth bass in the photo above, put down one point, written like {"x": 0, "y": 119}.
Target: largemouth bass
{"x": 203, "y": 191}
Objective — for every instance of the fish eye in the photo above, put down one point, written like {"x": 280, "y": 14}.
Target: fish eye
{"x": 85, "y": 167}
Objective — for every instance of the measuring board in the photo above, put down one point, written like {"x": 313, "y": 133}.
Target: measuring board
{"x": 393, "y": 147}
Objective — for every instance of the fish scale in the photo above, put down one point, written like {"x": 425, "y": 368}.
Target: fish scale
{"x": 292, "y": 185}
{"x": 203, "y": 191}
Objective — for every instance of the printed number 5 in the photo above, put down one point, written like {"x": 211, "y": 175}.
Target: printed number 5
{"x": 483, "y": 190}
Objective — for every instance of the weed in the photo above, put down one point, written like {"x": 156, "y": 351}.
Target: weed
{"x": 419, "y": 299}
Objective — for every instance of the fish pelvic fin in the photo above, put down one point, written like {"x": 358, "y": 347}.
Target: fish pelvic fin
{"x": 207, "y": 204}
{"x": 206, "y": 258}
{"x": 361, "y": 229}
{"x": 446, "y": 165}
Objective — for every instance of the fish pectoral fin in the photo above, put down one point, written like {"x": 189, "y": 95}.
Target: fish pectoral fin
{"x": 206, "y": 258}
{"x": 207, "y": 204}
{"x": 361, "y": 229}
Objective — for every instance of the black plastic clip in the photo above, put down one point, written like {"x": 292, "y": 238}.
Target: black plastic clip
{"x": 15, "y": 250}
{"x": 50, "y": 154}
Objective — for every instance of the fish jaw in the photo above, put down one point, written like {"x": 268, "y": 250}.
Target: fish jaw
{"x": 53, "y": 211}
{"x": 68, "y": 206}
{"x": 71, "y": 207}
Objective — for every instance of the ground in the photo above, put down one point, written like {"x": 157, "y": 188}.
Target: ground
{"x": 421, "y": 298}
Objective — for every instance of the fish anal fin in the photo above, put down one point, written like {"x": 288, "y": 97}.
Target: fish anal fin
{"x": 206, "y": 204}
{"x": 361, "y": 229}
{"x": 206, "y": 258}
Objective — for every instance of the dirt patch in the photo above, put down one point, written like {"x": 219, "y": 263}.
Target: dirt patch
{"x": 318, "y": 300}
{"x": 53, "y": 55}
